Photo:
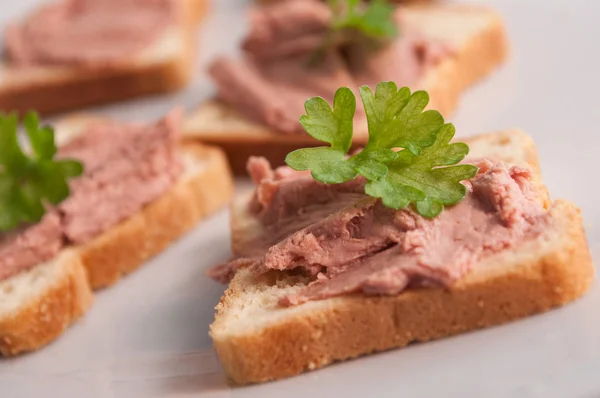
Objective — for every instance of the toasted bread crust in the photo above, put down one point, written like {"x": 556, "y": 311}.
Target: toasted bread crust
{"x": 87, "y": 88}
{"x": 357, "y": 325}
{"x": 123, "y": 248}
{"x": 43, "y": 319}
{"x": 475, "y": 60}
{"x": 82, "y": 87}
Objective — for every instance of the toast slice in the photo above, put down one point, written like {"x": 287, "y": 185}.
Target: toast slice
{"x": 258, "y": 341}
{"x": 165, "y": 66}
{"x": 38, "y": 305}
{"x": 205, "y": 186}
{"x": 477, "y": 34}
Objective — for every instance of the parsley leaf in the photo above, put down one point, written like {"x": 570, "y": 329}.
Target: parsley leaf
{"x": 374, "y": 20}
{"x": 333, "y": 126}
{"x": 396, "y": 118}
{"x": 424, "y": 171}
{"x": 326, "y": 164}
{"x": 420, "y": 178}
{"x": 29, "y": 183}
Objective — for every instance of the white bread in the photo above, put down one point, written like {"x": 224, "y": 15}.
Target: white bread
{"x": 205, "y": 186}
{"x": 165, "y": 66}
{"x": 38, "y": 305}
{"x": 477, "y": 34}
{"x": 257, "y": 341}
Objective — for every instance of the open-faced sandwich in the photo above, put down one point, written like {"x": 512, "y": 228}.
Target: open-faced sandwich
{"x": 69, "y": 54}
{"x": 302, "y": 48}
{"x": 409, "y": 239}
{"x": 133, "y": 190}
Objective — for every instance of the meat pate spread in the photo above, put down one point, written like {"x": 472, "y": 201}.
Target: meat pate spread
{"x": 88, "y": 32}
{"x": 126, "y": 167}
{"x": 275, "y": 76}
{"x": 347, "y": 242}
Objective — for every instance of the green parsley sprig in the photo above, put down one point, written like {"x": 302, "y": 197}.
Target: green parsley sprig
{"x": 408, "y": 157}
{"x": 374, "y": 20}
{"x": 30, "y": 182}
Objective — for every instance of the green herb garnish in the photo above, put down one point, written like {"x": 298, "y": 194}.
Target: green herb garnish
{"x": 408, "y": 157}
{"x": 28, "y": 183}
{"x": 374, "y": 20}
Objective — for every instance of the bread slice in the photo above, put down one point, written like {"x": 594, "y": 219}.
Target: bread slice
{"x": 165, "y": 66}
{"x": 477, "y": 34}
{"x": 38, "y": 305}
{"x": 205, "y": 186}
{"x": 258, "y": 341}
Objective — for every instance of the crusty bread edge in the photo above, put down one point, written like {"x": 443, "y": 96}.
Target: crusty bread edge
{"x": 123, "y": 248}
{"x": 479, "y": 56}
{"x": 317, "y": 339}
{"x": 42, "y": 320}
{"x": 87, "y": 87}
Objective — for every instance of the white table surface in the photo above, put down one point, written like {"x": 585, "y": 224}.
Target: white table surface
{"x": 147, "y": 336}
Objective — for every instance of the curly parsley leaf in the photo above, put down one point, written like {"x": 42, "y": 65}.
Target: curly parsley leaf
{"x": 374, "y": 20}
{"x": 396, "y": 118}
{"x": 424, "y": 171}
{"x": 423, "y": 179}
{"x": 333, "y": 126}
{"x": 326, "y": 165}
{"x": 29, "y": 182}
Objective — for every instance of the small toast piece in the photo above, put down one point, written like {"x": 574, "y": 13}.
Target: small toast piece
{"x": 477, "y": 34}
{"x": 258, "y": 341}
{"x": 165, "y": 66}
{"x": 205, "y": 186}
{"x": 38, "y": 305}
